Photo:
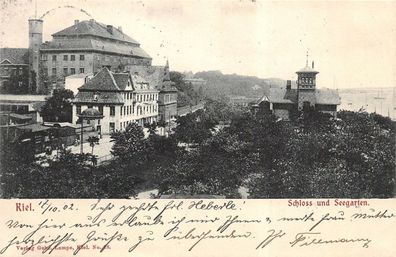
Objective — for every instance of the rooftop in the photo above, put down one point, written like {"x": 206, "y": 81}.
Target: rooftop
{"x": 14, "y": 55}
{"x": 323, "y": 96}
{"x": 94, "y": 28}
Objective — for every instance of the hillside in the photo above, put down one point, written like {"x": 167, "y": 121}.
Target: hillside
{"x": 233, "y": 84}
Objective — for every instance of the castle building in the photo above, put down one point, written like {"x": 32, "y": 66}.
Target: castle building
{"x": 121, "y": 98}
{"x": 285, "y": 100}
{"x": 87, "y": 47}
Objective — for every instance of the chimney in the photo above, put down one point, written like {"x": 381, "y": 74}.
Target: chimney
{"x": 110, "y": 29}
{"x": 313, "y": 65}
{"x": 288, "y": 84}
{"x": 120, "y": 28}
{"x": 76, "y": 22}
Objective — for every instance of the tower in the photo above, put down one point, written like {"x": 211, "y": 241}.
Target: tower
{"x": 306, "y": 86}
{"x": 35, "y": 41}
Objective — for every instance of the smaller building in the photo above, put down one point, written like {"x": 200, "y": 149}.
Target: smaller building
{"x": 73, "y": 82}
{"x": 159, "y": 78}
{"x": 284, "y": 101}
{"x": 23, "y": 104}
{"x": 14, "y": 62}
{"x": 121, "y": 98}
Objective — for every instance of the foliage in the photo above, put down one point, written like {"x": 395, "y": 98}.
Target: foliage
{"x": 58, "y": 107}
{"x": 93, "y": 140}
{"x": 194, "y": 127}
{"x": 130, "y": 146}
{"x": 186, "y": 94}
{"x": 18, "y": 83}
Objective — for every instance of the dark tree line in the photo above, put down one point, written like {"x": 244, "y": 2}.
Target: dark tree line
{"x": 314, "y": 155}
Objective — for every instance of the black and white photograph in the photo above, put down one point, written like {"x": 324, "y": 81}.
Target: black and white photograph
{"x": 197, "y": 99}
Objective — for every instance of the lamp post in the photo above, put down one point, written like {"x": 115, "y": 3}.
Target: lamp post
{"x": 88, "y": 114}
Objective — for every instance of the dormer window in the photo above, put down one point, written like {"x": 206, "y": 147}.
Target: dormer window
{"x": 96, "y": 97}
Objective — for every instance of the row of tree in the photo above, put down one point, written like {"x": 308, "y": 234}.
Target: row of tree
{"x": 314, "y": 155}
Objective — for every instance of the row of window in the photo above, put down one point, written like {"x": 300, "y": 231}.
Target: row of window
{"x": 66, "y": 57}
{"x": 147, "y": 97}
{"x": 66, "y": 71}
{"x": 125, "y": 110}
{"x": 125, "y": 60}
{"x": 146, "y": 109}
{"x": 307, "y": 81}
{"x": 128, "y": 109}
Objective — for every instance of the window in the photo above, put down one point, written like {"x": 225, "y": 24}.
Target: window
{"x": 72, "y": 57}
{"x": 72, "y": 71}
{"x": 65, "y": 58}
{"x": 112, "y": 126}
{"x": 82, "y": 57}
{"x": 54, "y": 57}
{"x": 112, "y": 110}
{"x": 65, "y": 71}
{"x": 81, "y": 70}
{"x": 78, "y": 109}
{"x": 53, "y": 71}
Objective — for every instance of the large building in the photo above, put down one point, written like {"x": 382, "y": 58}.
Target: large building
{"x": 285, "y": 100}
{"x": 122, "y": 98}
{"x": 87, "y": 47}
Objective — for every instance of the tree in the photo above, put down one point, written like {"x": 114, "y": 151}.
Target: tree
{"x": 93, "y": 140}
{"x": 130, "y": 146}
{"x": 58, "y": 107}
{"x": 18, "y": 83}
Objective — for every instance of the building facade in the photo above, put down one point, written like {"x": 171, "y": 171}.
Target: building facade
{"x": 159, "y": 78}
{"x": 121, "y": 98}
{"x": 13, "y": 62}
{"x": 87, "y": 47}
{"x": 284, "y": 101}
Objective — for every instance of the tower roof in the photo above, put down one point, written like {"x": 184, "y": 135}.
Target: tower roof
{"x": 307, "y": 69}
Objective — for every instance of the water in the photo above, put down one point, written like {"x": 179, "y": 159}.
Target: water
{"x": 379, "y": 100}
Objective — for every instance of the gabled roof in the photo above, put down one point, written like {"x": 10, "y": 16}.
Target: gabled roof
{"x": 327, "y": 96}
{"x": 14, "y": 55}
{"x": 102, "y": 81}
{"x": 157, "y": 76}
{"x": 121, "y": 80}
{"x": 282, "y": 95}
{"x": 101, "y": 97}
{"x": 97, "y": 29}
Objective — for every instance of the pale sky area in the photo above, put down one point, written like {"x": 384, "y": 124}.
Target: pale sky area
{"x": 353, "y": 44}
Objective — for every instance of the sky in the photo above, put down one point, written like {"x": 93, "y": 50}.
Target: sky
{"x": 352, "y": 43}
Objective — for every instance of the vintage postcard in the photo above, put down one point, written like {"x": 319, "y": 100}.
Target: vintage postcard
{"x": 206, "y": 128}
